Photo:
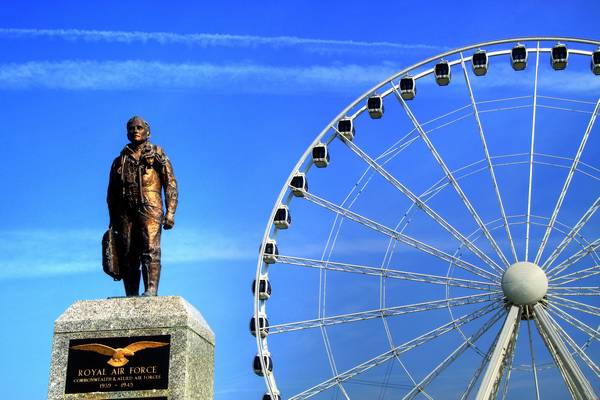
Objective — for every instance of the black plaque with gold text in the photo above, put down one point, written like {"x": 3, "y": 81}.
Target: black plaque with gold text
{"x": 118, "y": 363}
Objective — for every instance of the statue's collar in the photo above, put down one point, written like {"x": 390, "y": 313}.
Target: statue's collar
{"x": 129, "y": 149}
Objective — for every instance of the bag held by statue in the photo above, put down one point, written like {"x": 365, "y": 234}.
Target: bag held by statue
{"x": 110, "y": 262}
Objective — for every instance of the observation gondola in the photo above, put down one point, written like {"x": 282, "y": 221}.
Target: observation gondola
{"x": 263, "y": 326}
{"x": 595, "y": 62}
{"x": 267, "y": 396}
{"x": 480, "y": 62}
{"x": 283, "y": 218}
{"x": 518, "y": 57}
{"x": 256, "y": 365}
{"x": 271, "y": 252}
{"x": 264, "y": 288}
{"x": 559, "y": 56}
{"x": 320, "y": 155}
{"x": 299, "y": 185}
{"x": 375, "y": 106}
{"x": 443, "y": 73}
{"x": 345, "y": 127}
{"x": 408, "y": 87}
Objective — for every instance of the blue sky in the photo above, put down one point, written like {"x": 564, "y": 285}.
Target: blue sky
{"x": 234, "y": 94}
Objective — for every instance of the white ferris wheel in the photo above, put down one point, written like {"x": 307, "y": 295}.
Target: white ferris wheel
{"x": 447, "y": 246}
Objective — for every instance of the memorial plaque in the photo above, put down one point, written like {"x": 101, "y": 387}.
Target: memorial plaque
{"x": 118, "y": 363}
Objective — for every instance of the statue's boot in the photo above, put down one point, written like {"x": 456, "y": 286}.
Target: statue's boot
{"x": 131, "y": 281}
{"x": 151, "y": 278}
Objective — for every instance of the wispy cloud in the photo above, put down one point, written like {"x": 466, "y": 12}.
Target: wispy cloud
{"x": 134, "y": 74}
{"x": 36, "y": 253}
{"x": 213, "y": 40}
{"x": 243, "y": 77}
{"x": 47, "y": 252}
{"x": 188, "y": 245}
{"x": 39, "y": 253}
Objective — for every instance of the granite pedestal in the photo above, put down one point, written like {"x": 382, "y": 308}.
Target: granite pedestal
{"x": 132, "y": 348}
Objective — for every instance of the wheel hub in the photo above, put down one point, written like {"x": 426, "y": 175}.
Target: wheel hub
{"x": 524, "y": 283}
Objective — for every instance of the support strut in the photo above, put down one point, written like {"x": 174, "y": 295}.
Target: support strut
{"x": 576, "y": 382}
{"x": 504, "y": 347}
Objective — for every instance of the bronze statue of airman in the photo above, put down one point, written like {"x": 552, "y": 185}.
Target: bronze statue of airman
{"x": 138, "y": 177}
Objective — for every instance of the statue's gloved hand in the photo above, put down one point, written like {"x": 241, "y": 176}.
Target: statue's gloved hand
{"x": 168, "y": 222}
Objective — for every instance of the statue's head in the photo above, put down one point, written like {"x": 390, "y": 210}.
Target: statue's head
{"x": 138, "y": 130}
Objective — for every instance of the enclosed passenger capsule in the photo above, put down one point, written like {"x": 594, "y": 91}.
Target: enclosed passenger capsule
{"x": 320, "y": 155}
{"x": 263, "y": 326}
{"x": 559, "y": 56}
{"x": 298, "y": 184}
{"x": 443, "y": 73}
{"x": 595, "y": 62}
{"x": 408, "y": 87}
{"x": 268, "y": 396}
{"x": 518, "y": 57}
{"x": 258, "y": 370}
{"x": 271, "y": 252}
{"x": 264, "y": 288}
{"x": 375, "y": 106}
{"x": 283, "y": 218}
{"x": 345, "y": 127}
{"x": 480, "y": 62}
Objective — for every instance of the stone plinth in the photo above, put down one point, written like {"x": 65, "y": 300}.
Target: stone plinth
{"x": 173, "y": 351}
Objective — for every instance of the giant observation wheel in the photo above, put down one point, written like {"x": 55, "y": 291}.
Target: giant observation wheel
{"x": 447, "y": 246}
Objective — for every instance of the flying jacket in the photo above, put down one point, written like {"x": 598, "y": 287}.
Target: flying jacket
{"x": 138, "y": 184}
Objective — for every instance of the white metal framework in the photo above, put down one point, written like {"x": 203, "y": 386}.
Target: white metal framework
{"x": 451, "y": 235}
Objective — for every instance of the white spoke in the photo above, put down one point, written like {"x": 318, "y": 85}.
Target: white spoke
{"x": 502, "y": 350}
{"x": 533, "y": 364}
{"x": 575, "y": 347}
{"x": 488, "y": 159}
{"x": 410, "y": 241}
{"x": 384, "y": 312}
{"x": 451, "y": 178}
{"x": 484, "y": 362}
{"x": 535, "y": 88}
{"x": 575, "y": 305}
{"x": 421, "y": 204}
{"x": 575, "y": 380}
{"x": 576, "y": 276}
{"x": 330, "y": 357}
{"x": 592, "y": 333}
{"x": 573, "y": 259}
{"x": 511, "y": 358}
{"x": 343, "y": 391}
{"x": 452, "y": 356}
{"x": 565, "y": 187}
{"x": 557, "y": 360}
{"x": 571, "y": 235}
{"x": 409, "y": 375}
{"x": 574, "y": 290}
{"x": 396, "y": 351}
{"x": 387, "y": 273}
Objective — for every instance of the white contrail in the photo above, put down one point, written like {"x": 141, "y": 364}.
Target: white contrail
{"x": 240, "y": 77}
{"x": 48, "y": 252}
{"x": 207, "y": 39}
{"x": 135, "y": 74}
